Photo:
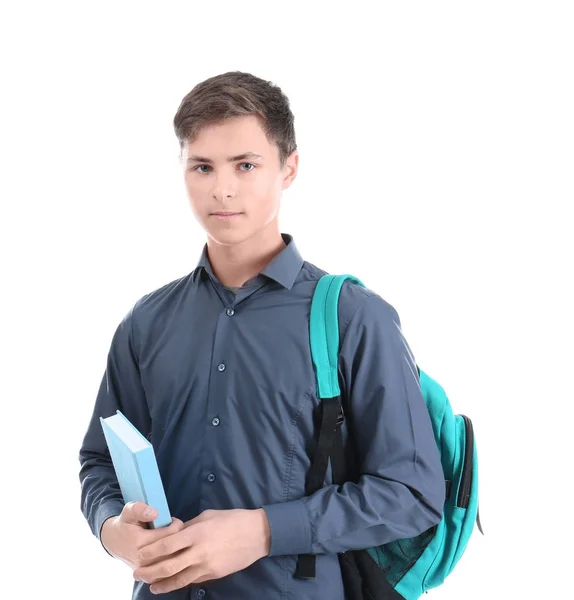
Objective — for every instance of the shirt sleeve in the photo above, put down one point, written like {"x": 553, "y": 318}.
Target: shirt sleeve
{"x": 400, "y": 489}
{"x": 120, "y": 388}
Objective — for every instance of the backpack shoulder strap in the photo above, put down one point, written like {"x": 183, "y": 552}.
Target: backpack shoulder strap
{"x": 324, "y": 332}
{"x": 324, "y": 338}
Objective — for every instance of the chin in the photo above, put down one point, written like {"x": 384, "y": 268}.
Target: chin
{"x": 229, "y": 237}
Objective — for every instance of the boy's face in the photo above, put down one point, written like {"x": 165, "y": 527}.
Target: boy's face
{"x": 234, "y": 200}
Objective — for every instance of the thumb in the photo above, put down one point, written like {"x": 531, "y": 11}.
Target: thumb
{"x": 138, "y": 512}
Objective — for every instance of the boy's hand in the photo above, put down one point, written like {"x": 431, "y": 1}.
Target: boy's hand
{"x": 123, "y": 536}
{"x": 213, "y": 545}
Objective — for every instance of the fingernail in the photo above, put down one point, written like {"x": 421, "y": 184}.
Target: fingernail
{"x": 147, "y": 512}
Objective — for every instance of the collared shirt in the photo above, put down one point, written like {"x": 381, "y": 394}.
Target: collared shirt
{"x": 223, "y": 385}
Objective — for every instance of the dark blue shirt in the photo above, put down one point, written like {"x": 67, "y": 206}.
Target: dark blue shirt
{"x": 223, "y": 385}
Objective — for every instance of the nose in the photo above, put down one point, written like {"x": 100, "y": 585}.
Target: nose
{"x": 223, "y": 189}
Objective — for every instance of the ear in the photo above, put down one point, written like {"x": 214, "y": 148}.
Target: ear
{"x": 290, "y": 169}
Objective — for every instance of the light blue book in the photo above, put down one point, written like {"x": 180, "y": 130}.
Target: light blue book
{"x": 136, "y": 466}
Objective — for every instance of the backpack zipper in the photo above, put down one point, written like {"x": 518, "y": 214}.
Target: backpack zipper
{"x": 466, "y": 480}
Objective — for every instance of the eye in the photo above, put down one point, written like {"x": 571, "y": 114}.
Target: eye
{"x": 198, "y": 167}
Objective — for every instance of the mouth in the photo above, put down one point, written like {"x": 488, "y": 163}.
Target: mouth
{"x": 224, "y": 214}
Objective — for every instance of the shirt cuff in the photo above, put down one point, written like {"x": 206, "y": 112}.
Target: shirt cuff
{"x": 110, "y": 509}
{"x": 290, "y": 528}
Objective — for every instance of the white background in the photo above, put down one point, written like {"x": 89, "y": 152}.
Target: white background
{"x": 437, "y": 147}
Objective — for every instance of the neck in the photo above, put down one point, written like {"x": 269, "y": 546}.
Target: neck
{"x": 237, "y": 263}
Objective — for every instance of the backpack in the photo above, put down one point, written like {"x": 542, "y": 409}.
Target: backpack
{"x": 402, "y": 569}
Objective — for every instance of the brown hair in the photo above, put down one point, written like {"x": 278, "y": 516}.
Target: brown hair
{"x": 235, "y": 94}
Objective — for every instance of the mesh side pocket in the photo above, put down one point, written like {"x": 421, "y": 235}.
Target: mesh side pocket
{"x": 396, "y": 558}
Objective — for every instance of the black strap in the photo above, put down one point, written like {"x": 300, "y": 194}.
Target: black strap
{"x": 306, "y": 566}
{"x": 362, "y": 577}
{"x": 331, "y": 418}
{"x": 338, "y": 458}
{"x": 330, "y": 410}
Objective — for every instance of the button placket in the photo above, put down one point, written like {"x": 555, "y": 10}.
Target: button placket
{"x": 218, "y": 389}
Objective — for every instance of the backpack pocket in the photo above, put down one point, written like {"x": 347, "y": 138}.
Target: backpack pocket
{"x": 459, "y": 512}
{"x": 465, "y": 485}
{"x": 465, "y": 506}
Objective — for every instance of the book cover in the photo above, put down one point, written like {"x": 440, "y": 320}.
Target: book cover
{"x": 136, "y": 466}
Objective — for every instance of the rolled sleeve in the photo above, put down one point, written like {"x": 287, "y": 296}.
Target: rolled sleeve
{"x": 290, "y": 528}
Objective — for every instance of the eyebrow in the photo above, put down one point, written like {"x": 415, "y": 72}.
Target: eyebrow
{"x": 245, "y": 155}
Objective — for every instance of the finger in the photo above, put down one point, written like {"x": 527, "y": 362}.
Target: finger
{"x": 138, "y": 512}
{"x": 153, "y": 535}
{"x": 204, "y": 516}
{"x": 189, "y": 575}
{"x": 166, "y": 546}
{"x": 170, "y": 566}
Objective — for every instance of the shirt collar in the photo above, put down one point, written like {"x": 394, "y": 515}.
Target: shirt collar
{"x": 283, "y": 269}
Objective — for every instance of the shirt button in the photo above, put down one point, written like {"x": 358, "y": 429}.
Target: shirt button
{"x": 215, "y": 422}
{"x": 230, "y": 312}
{"x": 211, "y": 478}
{"x": 221, "y": 367}
{"x": 200, "y": 593}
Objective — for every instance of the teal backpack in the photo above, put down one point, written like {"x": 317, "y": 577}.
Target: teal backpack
{"x": 403, "y": 569}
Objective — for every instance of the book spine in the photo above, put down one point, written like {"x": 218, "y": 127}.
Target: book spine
{"x": 152, "y": 485}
